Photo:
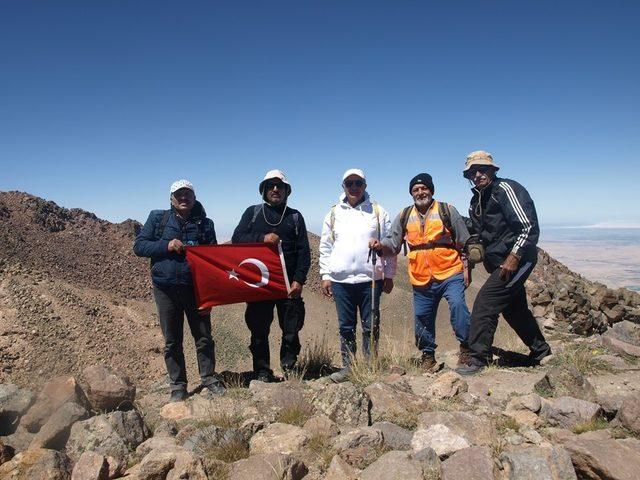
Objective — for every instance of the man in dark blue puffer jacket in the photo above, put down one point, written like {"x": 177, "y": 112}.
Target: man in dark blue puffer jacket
{"x": 163, "y": 239}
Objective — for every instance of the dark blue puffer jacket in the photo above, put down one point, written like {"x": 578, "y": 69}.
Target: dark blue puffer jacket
{"x": 168, "y": 268}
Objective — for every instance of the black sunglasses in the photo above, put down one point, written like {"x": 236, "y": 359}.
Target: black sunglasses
{"x": 480, "y": 168}
{"x": 272, "y": 185}
{"x": 357, "y": 183}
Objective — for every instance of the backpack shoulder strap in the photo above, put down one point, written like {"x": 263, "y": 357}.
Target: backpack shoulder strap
{"x": 256, "y": 212}
{"x": 161, "y": 224}
{"x": 404, "y": 219}
{"x": 296, "y": 219}
{"x": 445, "y": 215}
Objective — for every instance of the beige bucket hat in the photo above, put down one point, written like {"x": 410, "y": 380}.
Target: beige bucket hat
{"x": 479, "y": 157}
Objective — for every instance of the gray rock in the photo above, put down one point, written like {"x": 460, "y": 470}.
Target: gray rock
{"x": 629, "y": 413}
{"x": 153, "y": 443}
{"x": 321, "y": 426}
{"x": 568, "y": 412}
{"x": 538, "y": 463}
{"x": 447, "y": 385}
{"x": 107, "y": 390}
{"x": 365, "y": 436}
{"x": 343, "y": 404}
{"x": 388, "y": 402}
{"x": 565, "y": 380}
{"x": 91, "y": 466}
{"x": 55, "y": 393}
{"x": 130, "y": 426}
{"x": 19, "y": 440}
{"x": 394, "y": 437}
{"x": 14, "y": 402}
{"x": 476, "y": 429}
{"x": 474, "y": 463}
{"x": 439, "y": 438}
{"x": 171, "y": 463}
{"x": 279, "y": 438}
{"x": 610, "y": 403}
{"x": 603, "y": 459}
{"x": 55, "y": 432}
{"x": 340, "y": 470}
{"x": 272, "y": 466}
{"x": 394, "y": 465}
{"x": 37, "y": 464}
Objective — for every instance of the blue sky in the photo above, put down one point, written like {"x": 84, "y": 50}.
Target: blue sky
{"x": 104, "y": 104}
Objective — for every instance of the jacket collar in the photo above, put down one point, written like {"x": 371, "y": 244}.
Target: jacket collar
{"x": 343, "y": 201}
{"x": 197, "y": 212}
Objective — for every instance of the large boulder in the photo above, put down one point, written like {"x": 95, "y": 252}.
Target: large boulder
{"x": 604, "y": 458}
{"x": 359, "y": 447}
{"x": 474, "y": 463}
{"x": 107, "y": 390}
{"x": 396, "y": 465}
{"x": 321, "y": 426}
{"x": 171, "y": 463}
{"x": 91, "y": 466}
{"x": 343, "y": 403}
{"x": 476, "y": 429}
{"x": 269, "y": 466}
{"x": 440, "y": 438}
{"x": 37, "y": 464}
{"x": 565, "y": 380}
{"x": 538, "y": 463}
{"x": 567, "y": 412}
{"x": 339, "y": 469}
{"x": 55, "y": 393}
{"x": 629, "y": 413}
{"x": 279, "y": 438}
{"x": 623, "y": 338}
{"x": 447, "y": 385}
{"x": 388, "y": 402}
{"x": 55, "y": 432}
{"x": 14, "y": 402}
{"x": 395, "y": 437}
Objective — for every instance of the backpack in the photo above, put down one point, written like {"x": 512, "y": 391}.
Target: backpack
{"x": 445, "y": 216}
{"x": 162, "y": 224}
{"x": 332, "y": 219}
{"x": 258, "y": 208}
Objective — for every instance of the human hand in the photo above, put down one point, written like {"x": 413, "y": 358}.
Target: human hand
{"x": 509, "y": 266}
{"x": 374, "y": 244}
{"x": 467, "y": 277}
{"x": 271, "y": 238}
{"x": 326, "y": 288}
{"x": 176, "y": 246}
{"x": 296, "y": 290}
{"x": 203, "y": 312}
{"x": 387, "y": 285}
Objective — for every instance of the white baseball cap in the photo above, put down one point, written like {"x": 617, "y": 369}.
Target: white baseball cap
{"x": 354, "y": 171}
{"x": 178, "y": 184}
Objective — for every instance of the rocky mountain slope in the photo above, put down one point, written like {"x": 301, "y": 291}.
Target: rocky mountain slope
{"x": 83, "y": 394}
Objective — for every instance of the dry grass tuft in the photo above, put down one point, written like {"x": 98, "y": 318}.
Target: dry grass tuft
{"x": 583, "y": 358}
{"x": 504, "y": 423}
{"x": 319, "y": 446}
{"x": 407, "y": 418}
{"x": 227, "y": 452}
{"x": 315, "y": 361}
{"x": 295, "y": 413}
{"x": 599, "y": 423}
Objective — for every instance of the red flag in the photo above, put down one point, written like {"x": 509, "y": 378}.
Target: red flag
{"x": 244, "y": 272}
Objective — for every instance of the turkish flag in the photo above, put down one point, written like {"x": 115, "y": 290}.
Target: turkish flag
{"x": 244, "y": 272}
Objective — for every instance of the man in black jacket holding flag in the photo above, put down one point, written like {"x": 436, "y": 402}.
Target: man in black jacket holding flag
{"x": 273, "y": 221}
{"x": 505, "y": 220}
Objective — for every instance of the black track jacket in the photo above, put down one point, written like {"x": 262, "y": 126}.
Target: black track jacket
{"x": 505, "y": 218}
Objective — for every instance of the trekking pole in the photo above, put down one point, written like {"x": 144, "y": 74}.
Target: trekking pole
{"x": 375, "y": 320}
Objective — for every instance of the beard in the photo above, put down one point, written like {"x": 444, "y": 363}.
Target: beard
{"x": 423, "y": 202}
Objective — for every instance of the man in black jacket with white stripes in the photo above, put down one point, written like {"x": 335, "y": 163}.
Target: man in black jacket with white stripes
{"x": 505, "y": 220}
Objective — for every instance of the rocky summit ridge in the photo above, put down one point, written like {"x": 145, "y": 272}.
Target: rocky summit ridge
{"x": 83, "y": 395}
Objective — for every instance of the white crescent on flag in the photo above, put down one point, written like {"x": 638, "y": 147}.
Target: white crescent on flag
{"x": 264, "y": 272}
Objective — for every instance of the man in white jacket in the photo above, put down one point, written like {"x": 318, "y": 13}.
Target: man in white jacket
{"x": 347, "y": 270}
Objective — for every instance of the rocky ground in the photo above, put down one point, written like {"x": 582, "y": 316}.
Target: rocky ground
{"x": 73, "y": 295}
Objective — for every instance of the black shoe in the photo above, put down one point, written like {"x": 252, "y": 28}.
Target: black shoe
{"x": 179, "y": 395}
{"x": 536, "y": 357}
{"x": 215, "y": 388}
{"x": 470, "y": 369}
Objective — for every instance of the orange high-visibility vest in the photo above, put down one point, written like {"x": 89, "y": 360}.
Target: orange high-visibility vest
{"x": 430, "y": 248}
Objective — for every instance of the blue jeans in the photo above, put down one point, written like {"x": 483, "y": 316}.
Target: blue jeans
{"x": 349, "y": 298}
{"x": 425, "y": 306}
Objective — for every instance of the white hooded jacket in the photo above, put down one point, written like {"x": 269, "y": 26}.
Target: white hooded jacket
{"x": 345, "y": 246}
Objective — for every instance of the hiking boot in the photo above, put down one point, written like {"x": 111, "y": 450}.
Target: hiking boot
{"x": 536, "y": 357}
{"x": 428, "y": 362}
{"x": 470, "y": 369}
{"x": 341, "y": 375}
{"x": 215, "y": 388}
{"x": 464, "y": 356}
{"x": 179, "y": 395}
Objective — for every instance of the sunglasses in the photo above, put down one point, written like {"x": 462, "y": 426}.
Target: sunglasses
{"x": 350, "y": 183}
{"x": 473, "y": 170}
{"x": 272, "y": 185}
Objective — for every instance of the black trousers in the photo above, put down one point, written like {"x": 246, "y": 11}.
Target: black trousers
{"x": 509, "y": 298}
{"x": 173, "y": 304}
{"x": 259, "y": 316}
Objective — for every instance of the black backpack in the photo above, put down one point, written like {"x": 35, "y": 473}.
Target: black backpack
{"x": 162, "y": 224}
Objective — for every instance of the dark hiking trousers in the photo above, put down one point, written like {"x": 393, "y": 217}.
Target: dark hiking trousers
{"x": 173, "y": 304}
{"x": 259, "y": 316}
{"x": 509, "y": 298}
